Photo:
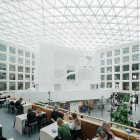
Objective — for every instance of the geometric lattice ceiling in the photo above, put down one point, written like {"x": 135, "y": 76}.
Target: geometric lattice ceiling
{"x": 84, "y": 24}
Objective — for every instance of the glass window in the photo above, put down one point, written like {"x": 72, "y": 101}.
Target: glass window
{"x": 12, "y": 59}
{"x": 126, "y": 76}
{"x": 12, "y": 76}
{"x": 117, "y": 52}
{"x": 117, "y": 76}
{"x": 33, "y": 70}
{"x": 117, "y": 84}
{"x": 2, "y": 76}
{"x": 20, "y": 69}
{"x": 27, "y": 77}
{"x": 109, "y": 61}
{"x": 27, "y": 62}
{"x": 102, "y": 77}
{"x": 102, "y": 55}
{"x": 135, "y": 86}
{"x": 32, "y": 77}
{"x": 12, "y": 68}
{"x": 27, "y": 54}
{"x": 102, "y": 70}
{"x": 125, "y": 67}
{"x": 20, "y": 85}
{"x": 117, "y": 60}
{"x": 3, "y": 86}
{"x": 12, "y": 50}
{"x": 12, "y": 85}
{"x": 109, "y": 77}
{"x": 135, "y": 57}
{"x": 3, "y": 48}
{"x": 27, "y": 70}
{"x": 33, "y": 56}
{"x": 33, "y": 63}
{"x": 117, "y": 68}
{"x": 3, "y": 66}
{"x": 125, "y": 50}
{"x": 135, "y": 48}
{"x": 109, "y": 53}
{"x": 27, "y": 85}
{"x": 125, "y": 85}
{"x": 109, "y": 69}
{"x": 20, "y": 76}
{"x": 3, "y": 57}
{"x": 102, "y": 85}
{"x": 135, "y": 67}
{"x": 135, "y": 76}
{"x": 20, "y": 52}
{"x": 109, "y": 85}
{"x": 20, "y": 60}
{"x": 102, "y": 62}
{"x": 125, "y": 59}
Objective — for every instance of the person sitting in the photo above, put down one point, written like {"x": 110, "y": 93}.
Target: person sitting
{"x": 106, "y": 128}
{"x": 75, "y": 126}
{"x": 19, "y": 106}
{"x": 63, "y": 130}
{"x": 55, "y": 115}
{"x": 100, "y": 136}
{"x": 38, "y": 111}
{"x": 31, "y": 116}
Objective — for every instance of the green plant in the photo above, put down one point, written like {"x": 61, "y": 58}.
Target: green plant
{"x": 126, "y": 98}
{"x": 121, "y": 115}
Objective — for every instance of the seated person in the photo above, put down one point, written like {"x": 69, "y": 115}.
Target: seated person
{"x": 31, "y": 116}
{"x": 8, "y": 99}
{"x": 19, "y": 106}
{"x": 38, "y": 111}
{"x": 55, "y": 115}
{"x": 75, "y": 126}
{"x": 106, "y": 128}
{"x": 63, "y": 130}
{"x": 100, "y": 136}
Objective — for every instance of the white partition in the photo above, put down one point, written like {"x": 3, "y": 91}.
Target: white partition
{"x": 58, "y": 96}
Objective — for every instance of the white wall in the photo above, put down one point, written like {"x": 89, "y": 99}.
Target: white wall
{"x": 53, "y": 63}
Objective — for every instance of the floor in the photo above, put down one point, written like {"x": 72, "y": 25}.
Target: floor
{"x": 7, "y": 121}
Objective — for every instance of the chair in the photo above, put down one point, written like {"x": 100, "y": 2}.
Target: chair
{"x": 30, "y": 125}
{"x": 42, "y": 120}
{"x": 11, "y": 107}
{"x": 77, "y": 134}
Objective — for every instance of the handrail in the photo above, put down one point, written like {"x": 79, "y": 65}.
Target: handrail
{"x": 98, "y": 119}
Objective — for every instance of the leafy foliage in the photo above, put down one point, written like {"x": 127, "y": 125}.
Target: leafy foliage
{"x": 126, "y": 98}
{"x": 121, "y": 115}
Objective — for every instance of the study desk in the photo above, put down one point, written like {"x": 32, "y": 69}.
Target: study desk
{"x": 20, "y": 122}
{"x": 46, "y": 133}
{"x": 26, "y": 107}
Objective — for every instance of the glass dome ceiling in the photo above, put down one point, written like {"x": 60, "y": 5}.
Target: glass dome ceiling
{"x": 83, "y": 24}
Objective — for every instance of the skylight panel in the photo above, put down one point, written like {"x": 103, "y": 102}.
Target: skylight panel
{"x": 82, "y": 22}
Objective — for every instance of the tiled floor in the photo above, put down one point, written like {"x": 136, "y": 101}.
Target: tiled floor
{"x": 7, "y": 120}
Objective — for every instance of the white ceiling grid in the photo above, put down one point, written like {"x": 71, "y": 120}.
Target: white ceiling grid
{"x": 83, "y": 24}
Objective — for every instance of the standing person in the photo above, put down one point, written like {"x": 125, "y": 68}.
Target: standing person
{"x": 106, "y": 128}
{"x": 75, "y": 126}
{"x": 63, "y": 130}
{"x": 88, "y": 110}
